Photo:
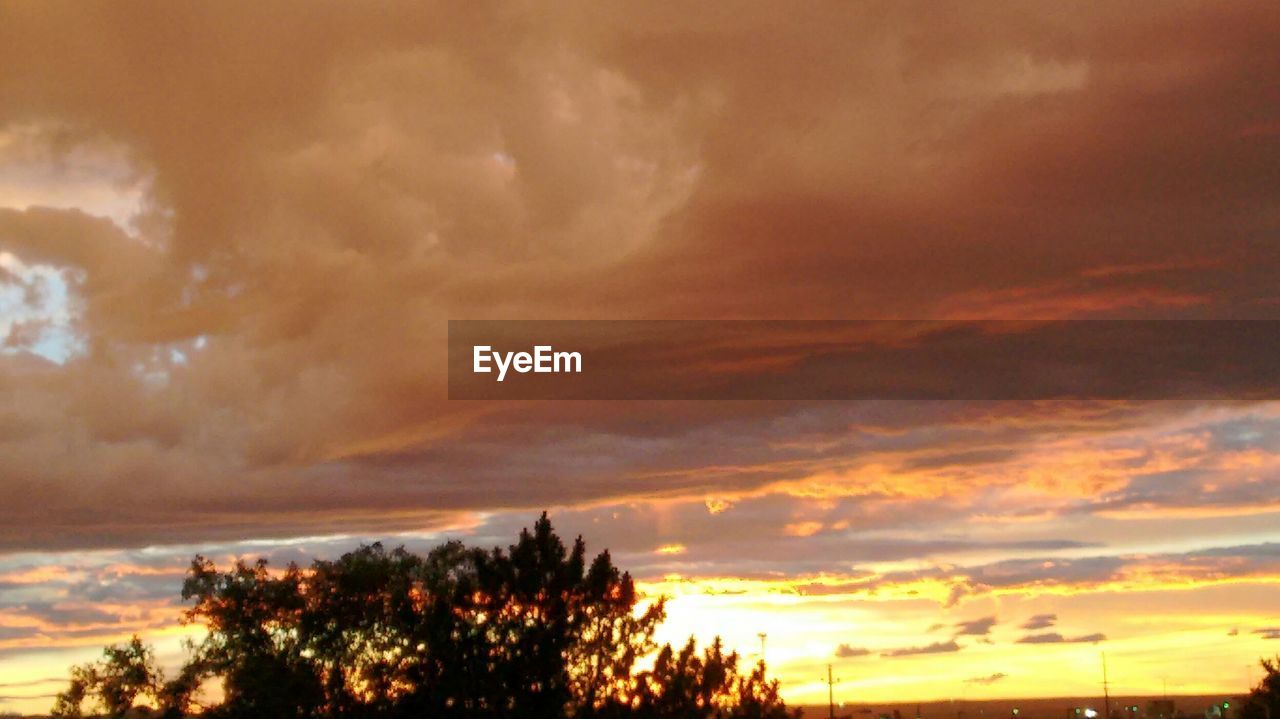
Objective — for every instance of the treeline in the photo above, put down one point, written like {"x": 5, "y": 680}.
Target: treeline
{"x": 531, "y": 631}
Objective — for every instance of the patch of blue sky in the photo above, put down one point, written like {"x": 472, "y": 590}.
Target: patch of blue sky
{"x": 36, "y": 312}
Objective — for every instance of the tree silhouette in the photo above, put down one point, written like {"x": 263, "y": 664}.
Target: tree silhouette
{"x": 533, "y": 630}
{"x": 1263, "y": 701}
{"x": 124, "y": 674}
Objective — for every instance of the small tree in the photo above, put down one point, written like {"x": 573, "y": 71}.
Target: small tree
{"x": 69, "y": 704}
{"x": 686, "y": 685}
{"x": 125, "y": 674}
{"x": 1263, "y": 701}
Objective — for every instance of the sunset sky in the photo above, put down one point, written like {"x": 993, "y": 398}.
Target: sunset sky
{"x": 231, "y": 237}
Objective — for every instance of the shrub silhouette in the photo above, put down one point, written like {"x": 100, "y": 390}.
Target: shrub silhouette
{"x": 1263, "y": 700}
{"x": 530, "y": 631}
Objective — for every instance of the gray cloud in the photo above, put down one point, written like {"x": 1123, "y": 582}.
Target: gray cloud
{"x": 18, "y": 632}
{"x": 934, "y": 648}
{"x": 1056, "y": 638}
{"x": 1040, "y": 621}
{"x": 304, "y": 239}
{"x": 977, "y": 627}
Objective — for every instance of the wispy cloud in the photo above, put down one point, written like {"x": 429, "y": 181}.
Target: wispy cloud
{"x": 1056, "y": 638}
{"x": 977, "y": 627}
{"x": 934, "y": 648}
{"x": 1040, "y": 621}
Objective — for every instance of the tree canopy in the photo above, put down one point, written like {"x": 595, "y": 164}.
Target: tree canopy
{"x": 1263, "y": 701}
{"x": 534, "y": 630}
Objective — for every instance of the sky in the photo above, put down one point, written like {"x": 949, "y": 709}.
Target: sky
{"x": 231, "y": 237}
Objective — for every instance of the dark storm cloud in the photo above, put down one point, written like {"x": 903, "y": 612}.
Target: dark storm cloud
{"x": 305, "y": 236}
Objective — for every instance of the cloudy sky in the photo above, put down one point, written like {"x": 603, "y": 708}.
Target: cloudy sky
{"x": 231, "y": 237}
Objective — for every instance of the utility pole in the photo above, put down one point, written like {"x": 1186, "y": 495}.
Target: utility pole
{"x": 831, "y": 694}
{"x": 1106, "y": 689}
{"x": 762, "y": 636}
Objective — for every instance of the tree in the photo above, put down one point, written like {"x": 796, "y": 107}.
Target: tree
{"x": 612, "y": 637}
{"x": 1263, "y": 701}
{"x": 532, "y": 630}
{"x": 758, "y": 697}
{"x": 69, "y": 704}
{"x": 125, "y": 674}
{"x": 687, "y": 685}
{"x": 252, "y": 644}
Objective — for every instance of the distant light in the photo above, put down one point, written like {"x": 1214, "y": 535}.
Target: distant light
{"x": 1090, "y": 713}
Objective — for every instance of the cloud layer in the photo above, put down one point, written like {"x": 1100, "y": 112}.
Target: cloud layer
{"x": 259, "y": 349}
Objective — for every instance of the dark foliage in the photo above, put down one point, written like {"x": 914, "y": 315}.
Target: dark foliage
{"x": 530, "y": 631}
{"x": 1263, "y": 702}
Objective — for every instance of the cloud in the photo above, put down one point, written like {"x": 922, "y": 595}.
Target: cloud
{"x": 9, "y": 633}
{"x": 1033, "y": 576}
{"x": 846, "y": 651}
{"x": 934, "y": 648}
{"x": 62, "y": 614}
{"x": 1056, "y": 638}
{"x": 1268, "y": 632}
{"x": 264, "y": 340}
{"x": 977, "y": 627}
{"x": 1040, "y": 621}
{"x": 32, "y": 683}
{"x": 987, "y": 680}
